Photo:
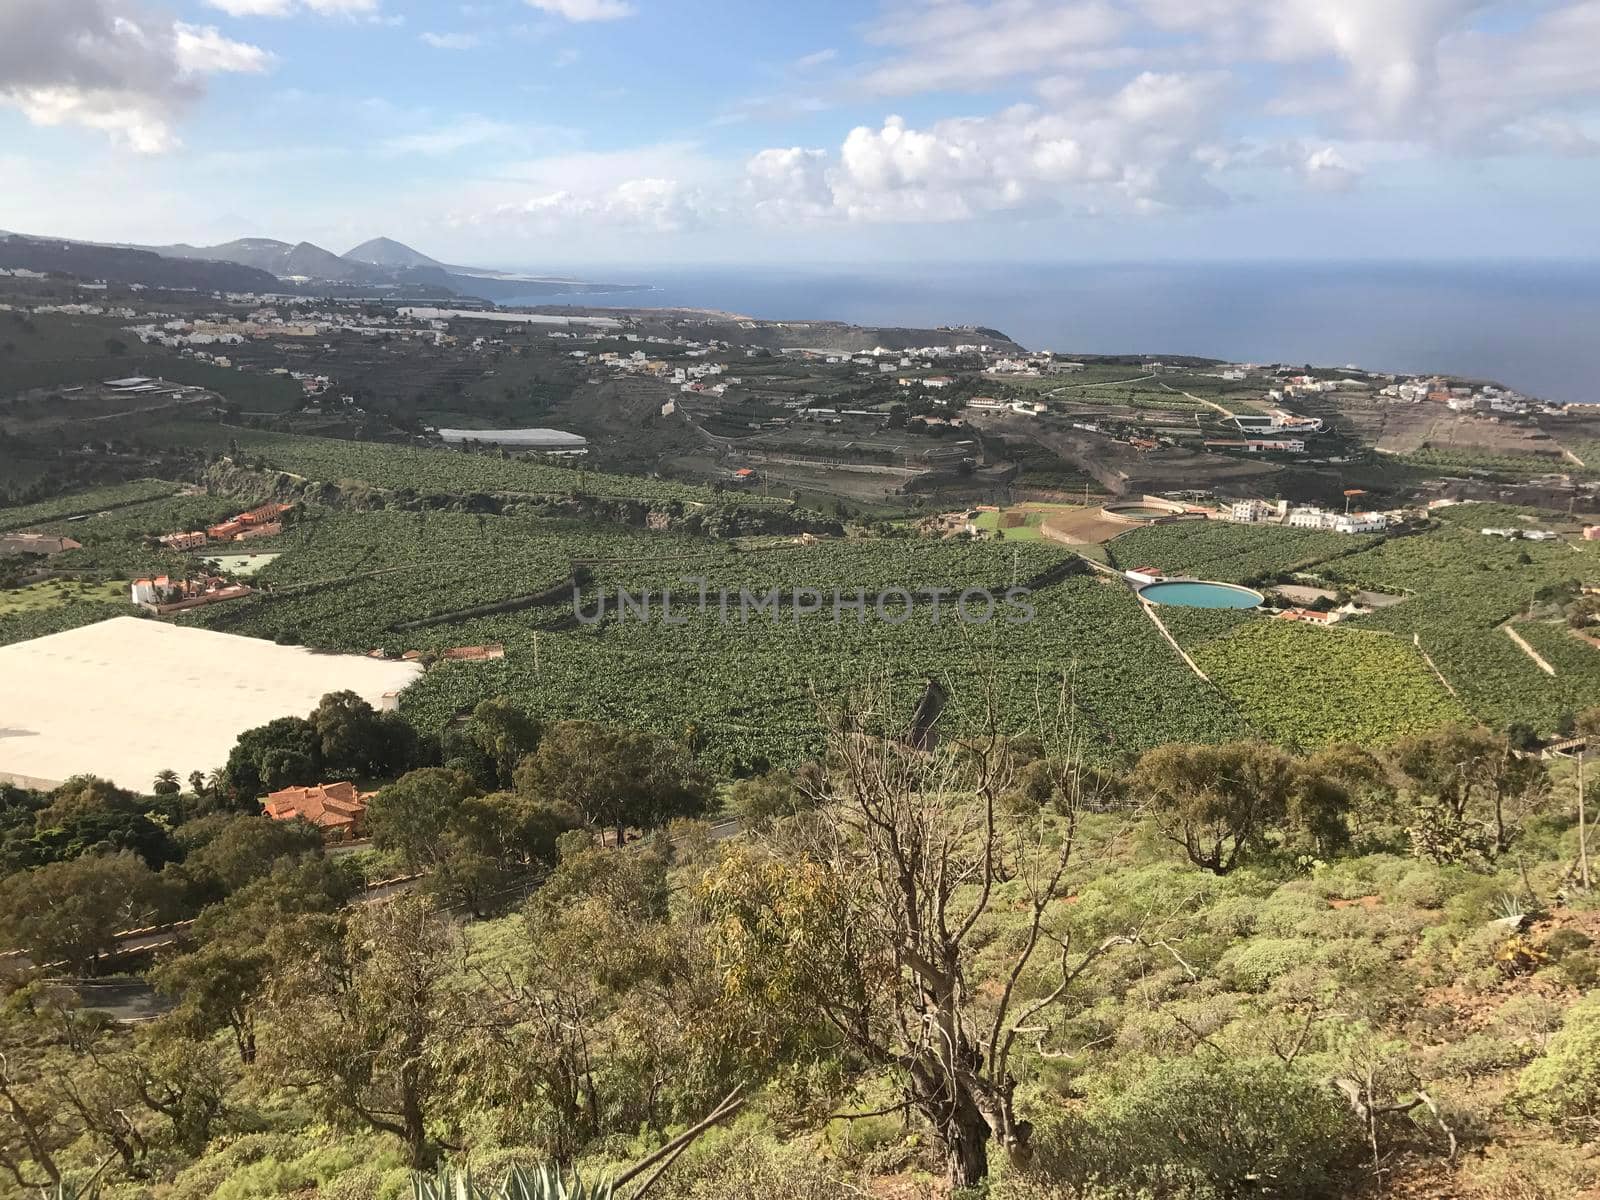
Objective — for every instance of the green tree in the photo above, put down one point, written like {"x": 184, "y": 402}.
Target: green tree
{"x": 84, "y": 794}
{"x": 281, "y": 753}
{"x": 246, "y": 847}
{"x": 1473, "y": 791}
{"x": 870, "y": 924}
{"x": 1064, "y": 785}
{"x": 759, "y": 801}
{"x": 362, "y": 1015}
{"x": 1217, "y": 802}
{"x": 97, "y": 832}
{"x": 346, "y": 729}
{"x": 166, "y": 783}
{"x": 613, "y": 778}
{"x": 353, "y": 738}
{"x": 71, "y": 911}
{"x": 221, "y": 978}
{"x": 411, "y": 814}
{"x": 35, "y": 1129}
{"x": 489, "y": 842}
{"x": 501, "y": 734}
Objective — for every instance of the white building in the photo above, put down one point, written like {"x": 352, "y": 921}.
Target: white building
{"x": 1250, "y": 511}
{"x": 1311, "y": 518}
{"x": 1363, "y": 522}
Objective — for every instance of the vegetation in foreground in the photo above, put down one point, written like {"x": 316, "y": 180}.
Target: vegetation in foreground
{"x": 989, "y": 968}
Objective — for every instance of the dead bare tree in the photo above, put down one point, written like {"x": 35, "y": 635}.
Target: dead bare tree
{"x": 882, "y": 916}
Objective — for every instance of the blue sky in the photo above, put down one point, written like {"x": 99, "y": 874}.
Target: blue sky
{"x": 558, "y": 133}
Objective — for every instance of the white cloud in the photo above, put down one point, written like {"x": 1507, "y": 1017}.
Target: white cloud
{"x": 110, "y": 66}
{"x": 585, "y": 10}
{"x": 463, "y": 134}
{"x": 449, "y": 41}
{"x": 786, "y": 184}
{"x": 201, "y": 50}
{"x": 1146, "y": 145}
{"x": 125, "y": 120}
{"x": 670, "y": 187}
{"x": 815, "y": 59}
{"x": 1329, "y": 170}
{"x": 285, "y": 8}
{"x": 639, "y": 205}
{"x": 565, "y": 58}
{"x": 1310, "y": 74}
{"x": 960, "y": 46}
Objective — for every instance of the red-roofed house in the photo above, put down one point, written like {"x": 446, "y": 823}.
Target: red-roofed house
{"x": 335, "y": 808}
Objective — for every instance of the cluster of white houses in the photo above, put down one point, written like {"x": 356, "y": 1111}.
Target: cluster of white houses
{"x": 1281, "y": 512}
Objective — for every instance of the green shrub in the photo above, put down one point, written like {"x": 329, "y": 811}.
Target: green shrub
{"x": 267, "y": 1177}
{"x": 1475, "y": 1056}
{"x": 1208, "y": 1125}
{"x": 1581, "y": 970}
{"x": 754, "y": 1165}
{"x": 204, "y": 1179}
{"x": 1233, "y": 916}
{"x": 1566, "y": 941}
{"x": 1253, "y": 966}
{"x": 1531, "y": 1171}
{"x": 1562, "y": 1087}
{"x": 1284, "y": 912}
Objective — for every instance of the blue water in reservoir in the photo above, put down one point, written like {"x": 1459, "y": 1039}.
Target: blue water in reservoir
{"x": 1200, "y": 595}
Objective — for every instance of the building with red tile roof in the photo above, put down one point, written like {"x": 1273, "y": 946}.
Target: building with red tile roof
{"x": 335, "y": 808}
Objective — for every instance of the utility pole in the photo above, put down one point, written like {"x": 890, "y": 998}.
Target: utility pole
{"x": 1583, "y": 840}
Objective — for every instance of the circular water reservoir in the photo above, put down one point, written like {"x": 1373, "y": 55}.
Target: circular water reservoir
{"x": 1197, "y": 593}
{"x": 1141, "y": 512}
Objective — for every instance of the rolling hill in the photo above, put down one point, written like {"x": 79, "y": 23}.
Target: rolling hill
{"x": 127, "y": 265}
{"x": 386, "y": 252}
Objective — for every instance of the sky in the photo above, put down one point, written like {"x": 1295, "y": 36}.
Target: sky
{"x": 549, "y": 133}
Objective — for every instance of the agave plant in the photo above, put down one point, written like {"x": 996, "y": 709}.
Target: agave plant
{"x": 546, "y": 1183}
{"x": 89, "y": 1189}
{"x": 540, "y": 1183}
{"x": 1508, "y": 908}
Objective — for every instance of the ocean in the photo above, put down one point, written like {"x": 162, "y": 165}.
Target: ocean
{"x": 1531, "y": 326}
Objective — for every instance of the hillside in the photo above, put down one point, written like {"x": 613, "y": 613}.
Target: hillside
{"x": 301, "y": 260}
{"x": 121, "y": 264}
{"x": 386, "y": 252}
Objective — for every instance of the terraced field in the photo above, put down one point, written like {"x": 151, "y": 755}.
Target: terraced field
{"x": 29, "y": 516}
{"x": 758, "y": 685}
{"x": 1230, "y": 553}
{"x": 1465, "y": 585}
{"x": 426, "y": 471}
{"x": 427, "y": 580}
{"x": 1307, "y": 686}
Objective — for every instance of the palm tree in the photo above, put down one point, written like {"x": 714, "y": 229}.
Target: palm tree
{"x": 197, "y": 782}
{"x": 167, "y": 783}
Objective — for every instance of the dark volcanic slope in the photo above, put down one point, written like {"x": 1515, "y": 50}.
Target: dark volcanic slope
{"x": 117, "y": 264}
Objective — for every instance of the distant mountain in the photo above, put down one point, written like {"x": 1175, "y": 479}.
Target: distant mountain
{"x": 125, "y": 265}
{"x": 381, "y": 266}
{"x": 302, "y": 260}
{"x": 396, "y": 256}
